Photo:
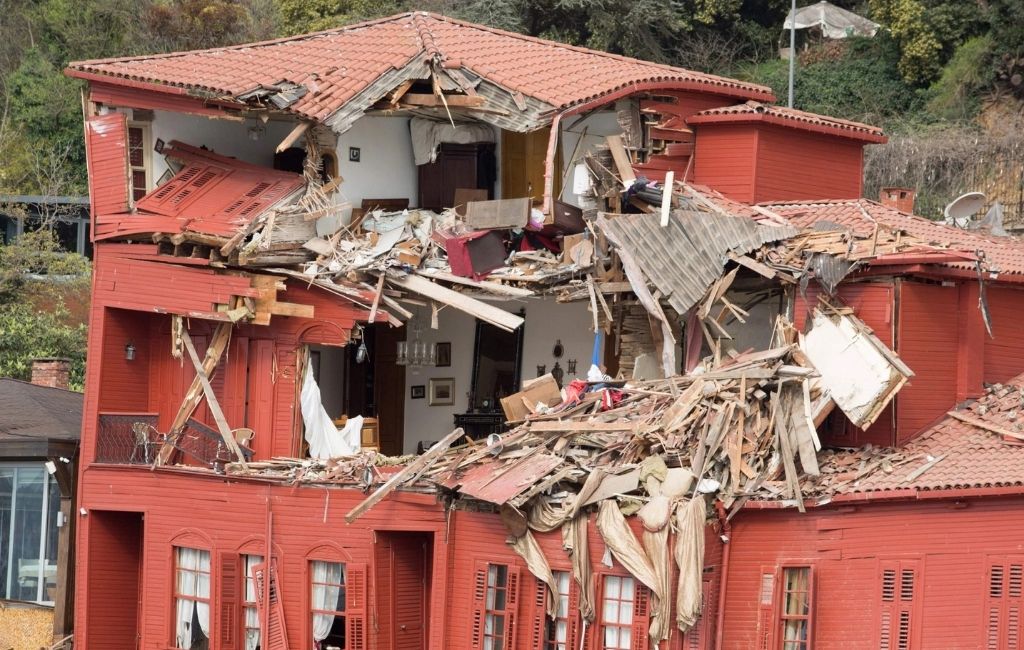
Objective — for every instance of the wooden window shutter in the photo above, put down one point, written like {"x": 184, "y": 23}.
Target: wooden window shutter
{"x": 512, "y": 607}
{"x": 698, "y": 637}
{"x": 479, "y": 604}
{"x": 273, "y": 610}
{"x": 230, "y": 586}
{"x": 184, "y": 188}
{"x": 900, "y": 584}
{"x": 106, "y": 150}
{"x": 766, "y": 612}
{"x": 538, "y": 614}
{"x": 1003, "y": 604}
{"x": 641, "y": 616}
{"x": 355, "y": 607}
{"x": 573, "y": 635}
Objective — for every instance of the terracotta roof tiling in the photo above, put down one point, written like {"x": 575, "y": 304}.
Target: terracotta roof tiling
{"x": 757, "y": 111}
{"x": 961, "y": 455}
{"x": 1002, "y": 254}
{"x": 338, "y": 64}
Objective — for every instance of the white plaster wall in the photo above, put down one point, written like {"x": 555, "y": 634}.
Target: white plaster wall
{"x": 598, "y": 125}
{"x": 385, "y": 169}
{"x": 546, "y": 322}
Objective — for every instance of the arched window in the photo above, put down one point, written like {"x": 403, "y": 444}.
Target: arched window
{"x": 328, "y": 166}
{"x": 191, "y": 579}
{"x": 337, "y": 598}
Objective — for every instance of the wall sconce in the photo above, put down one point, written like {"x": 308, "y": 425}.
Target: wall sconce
{"x": 129, "y": 352}
{"x": 572, "y": 366}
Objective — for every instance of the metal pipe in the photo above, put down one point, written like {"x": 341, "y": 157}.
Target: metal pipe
{"x": 792, "y": 50}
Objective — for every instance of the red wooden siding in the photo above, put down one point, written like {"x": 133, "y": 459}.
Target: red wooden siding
{"x": 950, "y": 550}
{"x": 1004, "y": 351}
{"x": 725, "y": 160}
{"x": 672, "y": 109}
{"x": 796, "y": 165}
{"x": 106, "y": 148}
{"x": 927, "y": 343}
{"x": 758, "y": 163}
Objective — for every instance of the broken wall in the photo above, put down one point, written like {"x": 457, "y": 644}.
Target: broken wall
{"x": 547, "y": 322}
{"x": 592, "y": 129}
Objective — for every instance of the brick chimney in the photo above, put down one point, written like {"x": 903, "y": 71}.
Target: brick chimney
{"x": 53, "y": 372}
{"x": 900, "y": 198}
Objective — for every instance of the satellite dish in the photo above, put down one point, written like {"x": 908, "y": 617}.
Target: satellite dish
{"x": 962, "y": 208}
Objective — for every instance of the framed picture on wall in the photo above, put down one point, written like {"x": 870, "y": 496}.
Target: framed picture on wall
{"x": 441, "y": 392}
{"x": 417, "y": 392}
{"x": 444, "y": 354}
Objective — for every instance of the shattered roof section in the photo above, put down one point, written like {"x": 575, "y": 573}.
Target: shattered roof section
{"x": 979, "y": 446}
{"x": 685, "y": 257}
{"x": 1005, "y": 254}
{"x": 757, "y": 111}
{"x": 314, "y": 75}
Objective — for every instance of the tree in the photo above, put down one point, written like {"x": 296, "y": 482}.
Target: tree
{"x": 36, "y": 280}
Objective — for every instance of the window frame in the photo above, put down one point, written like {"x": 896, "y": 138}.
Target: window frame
{"x": 48, "y": 511}
{"x": 245, "y": 603}
{"x": 602, "y": 624}
{"x": 779, "y": 605}
{"x": 147, "y": 158}
{"x": 491, "y": 613}
{"x": 196, "y": 545}
{"x": 551, "y": 624}
{"x": 311, "y": 583}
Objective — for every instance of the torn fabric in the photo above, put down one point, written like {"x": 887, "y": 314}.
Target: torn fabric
{"x": 656, "y": 545}
{"x": 574, "y": 541}
{"x": 427, "y": 136}
{"x": 624, "y": 545}
{"x": 689, "y": 556}
{"x": 325, "y": 440}
{"x": 527, "y": 547}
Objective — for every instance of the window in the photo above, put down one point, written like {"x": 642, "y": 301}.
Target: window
{"x": 328, "y": 604}
{"x": 138, "y": 156}
{"x": 29, "y": 503}
{"x": 617, "y": 612}
{"x": 251, "y": 620}
{"x": 496, "y": 608}
{"x": 795, "y": 616}
{"x": 191, "y": 598}
{"x": 328, "y": 166}
{"x": 556, "y": 630}
{"x": 896, "y": 624}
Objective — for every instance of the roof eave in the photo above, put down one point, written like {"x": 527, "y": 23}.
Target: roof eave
{"x": 866, "y": 137}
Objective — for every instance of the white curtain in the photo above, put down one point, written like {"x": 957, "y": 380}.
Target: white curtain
{"x": 325, "y": 440}
{"x": 325, "y": 596}
{"x": 193, "y": 581}
{"x": 252, "y": 615}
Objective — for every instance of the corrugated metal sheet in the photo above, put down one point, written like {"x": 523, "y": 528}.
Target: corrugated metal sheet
{"x": 683, "y": 258}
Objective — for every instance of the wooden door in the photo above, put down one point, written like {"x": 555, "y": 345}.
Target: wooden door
{"x": 389, "y": 388}
{"x": 409, "y": 575}
{"x": 522, "y": 163}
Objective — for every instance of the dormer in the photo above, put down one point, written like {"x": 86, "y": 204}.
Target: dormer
{"x": 756, "y": 152}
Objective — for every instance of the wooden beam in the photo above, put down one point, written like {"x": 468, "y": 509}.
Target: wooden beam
{"x": 621, "y": 158}
{"x": 293, "y": 136}
{"x": 492, "y": 287}
{"x": 423, "y": 99}
{"x": 211, "y": 400}
{"x": 666, "y": 197}
{"x": 489, "y": 313}
{"x": 194, "y": 394}
{"x": 413, "y": 468}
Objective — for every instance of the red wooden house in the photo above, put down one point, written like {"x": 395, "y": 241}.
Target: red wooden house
{"x": 197, "y": 327}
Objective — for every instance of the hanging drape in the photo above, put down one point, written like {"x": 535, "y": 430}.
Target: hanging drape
{"x": 192, "y": 617}
{"x": 325, "y": 596}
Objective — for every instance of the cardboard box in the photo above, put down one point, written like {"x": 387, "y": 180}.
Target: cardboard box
{"x": 543, "y": 389}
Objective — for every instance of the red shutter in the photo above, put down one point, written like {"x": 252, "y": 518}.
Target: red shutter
{"x": 573, "y": 636}
{"x": 641, "y": 617}
{"x": 106, "y": 149}
{"x": 1003, "y": 604}
{"x": 355, "y": 607}
{"x": 900, "y": 584}
{"x": 766, "y": 612}
{"x": 512, "y": 607}
{"x": 699, "y": 636}
{"x": 538, "y": 614}
{"x": 273, "y": 610}
{"x": 174, "y": 196}
{"x": 479, "y": 605}
{"x": 229, "y": 602}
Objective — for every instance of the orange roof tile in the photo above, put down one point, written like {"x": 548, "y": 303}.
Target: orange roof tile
{"x": 971, "y": 456}
{"x": 757, "y": 111}
{"x": 1002, "y": 254}
{"x": 336, "y": 65}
